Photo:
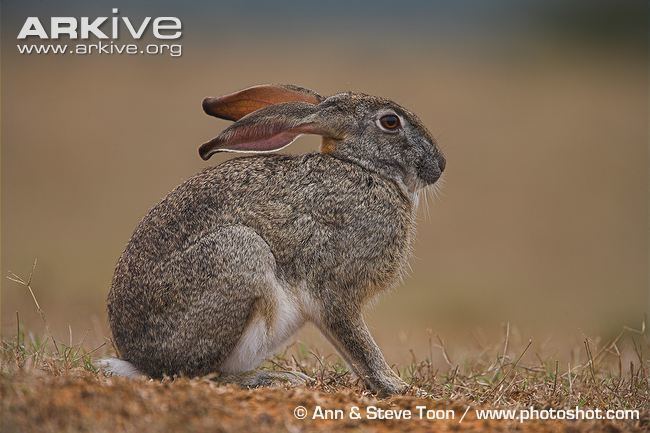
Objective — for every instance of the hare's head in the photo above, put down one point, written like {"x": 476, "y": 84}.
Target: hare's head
{"x": 373, "y": 132}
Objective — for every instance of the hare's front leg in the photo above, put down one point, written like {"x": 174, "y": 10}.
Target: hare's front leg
{"x": 348, "y": 332}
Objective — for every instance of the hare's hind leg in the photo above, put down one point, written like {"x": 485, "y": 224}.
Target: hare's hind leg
{"x": 262, "y": 378}
{"x": 219, "y": 288}
{"x": 239, "y": 312}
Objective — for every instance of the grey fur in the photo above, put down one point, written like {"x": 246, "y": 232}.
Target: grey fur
{"x": 336, "y": 226}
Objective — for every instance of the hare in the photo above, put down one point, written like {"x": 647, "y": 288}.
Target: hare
{"x": 229, "y": 265}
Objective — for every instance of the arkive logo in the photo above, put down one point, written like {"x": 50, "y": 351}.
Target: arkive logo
{"x": 102, "y": 29}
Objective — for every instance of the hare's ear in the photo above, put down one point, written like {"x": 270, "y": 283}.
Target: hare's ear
{"x": 239, "y": 104}
{"x": 268, "y": 129}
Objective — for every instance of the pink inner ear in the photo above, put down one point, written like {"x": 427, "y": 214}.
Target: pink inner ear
{"x": 250, "y": 135}
{"x": 264, "y": 144}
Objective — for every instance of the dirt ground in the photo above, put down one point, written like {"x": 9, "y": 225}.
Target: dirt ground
{"x": 85, "y": 402}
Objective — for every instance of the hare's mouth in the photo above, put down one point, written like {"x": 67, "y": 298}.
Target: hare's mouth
{"x": 430, "y": 192}
{"x": 438, "y": 167}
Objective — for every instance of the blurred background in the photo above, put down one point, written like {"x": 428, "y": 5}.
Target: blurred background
{"x": 541, "y": 108}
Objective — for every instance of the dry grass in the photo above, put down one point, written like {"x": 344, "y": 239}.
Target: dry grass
{"x": 53, "y": 386}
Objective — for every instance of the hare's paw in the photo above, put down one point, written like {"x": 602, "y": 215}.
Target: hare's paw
{"x": 388, "y": 386}
{"x": 396, "y": 386}
{"x": 297, "y": 378}
{"x": 262, "y": 378}
{"x": 418, "y": 392}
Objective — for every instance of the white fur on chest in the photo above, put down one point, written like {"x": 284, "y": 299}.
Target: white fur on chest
{"x": 260, "y": 339}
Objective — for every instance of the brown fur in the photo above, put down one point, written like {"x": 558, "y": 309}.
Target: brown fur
{"x": 335, "y": 228}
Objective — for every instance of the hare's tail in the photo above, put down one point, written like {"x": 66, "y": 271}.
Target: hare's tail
{"x": 118, "y": 367}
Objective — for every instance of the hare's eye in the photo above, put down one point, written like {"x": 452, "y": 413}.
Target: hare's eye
{"x": 389, "y": 122}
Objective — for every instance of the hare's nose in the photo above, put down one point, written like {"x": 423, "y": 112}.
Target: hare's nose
{"x": 442, "y": 162}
